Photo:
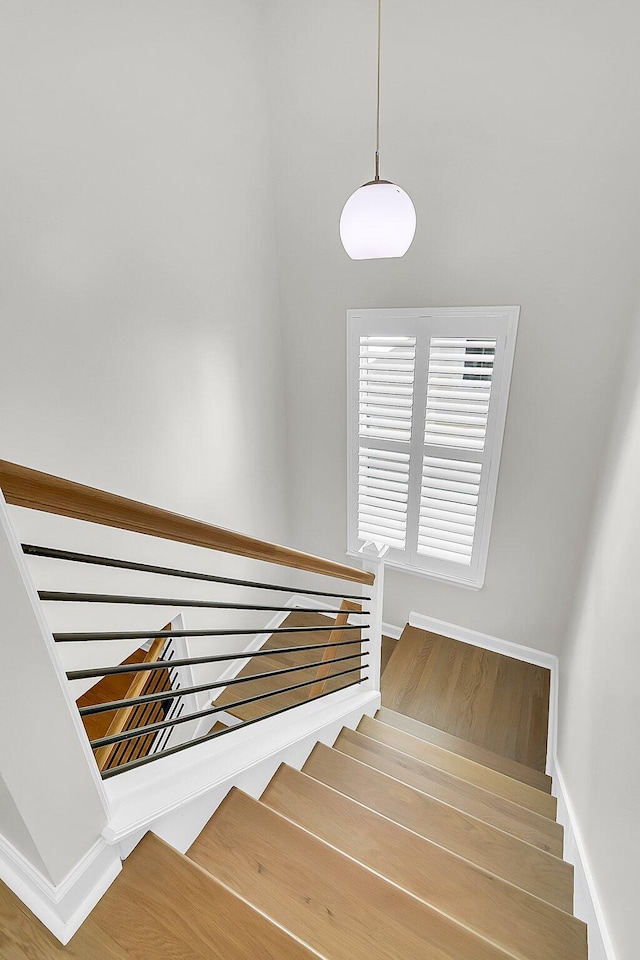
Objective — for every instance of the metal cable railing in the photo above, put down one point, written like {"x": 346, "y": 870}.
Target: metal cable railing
{"x": 203, "y": 687}
{"x": 164, "y": 708}
{"x": 219, "y": 733}
{"x": 157, "y": 710}
{"x": 52, "y": 553}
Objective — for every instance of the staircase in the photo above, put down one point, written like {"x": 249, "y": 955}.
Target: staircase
{"x": 398, "y": 841}
{"x": 408, "y": 837}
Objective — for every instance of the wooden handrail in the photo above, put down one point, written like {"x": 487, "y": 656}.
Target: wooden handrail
{"x": 24, "y": 487}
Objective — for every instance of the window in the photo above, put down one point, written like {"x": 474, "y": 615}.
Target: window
{"x": 427, "y": 395}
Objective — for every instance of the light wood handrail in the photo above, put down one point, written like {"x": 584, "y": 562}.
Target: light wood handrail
{"x": 121, "y": 718}
{"x": 342, "y": 618}
{"x": 24, "y": 487}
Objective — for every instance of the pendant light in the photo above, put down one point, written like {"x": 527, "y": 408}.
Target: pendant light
{"x": 379, "y": 219}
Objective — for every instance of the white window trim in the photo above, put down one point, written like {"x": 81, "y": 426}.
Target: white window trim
{"x": 507, "y": 317}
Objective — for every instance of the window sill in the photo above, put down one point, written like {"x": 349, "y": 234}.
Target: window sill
{"x": 417, "y": 571}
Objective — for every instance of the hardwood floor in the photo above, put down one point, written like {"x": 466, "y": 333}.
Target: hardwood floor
{"x": 401, "y": 840}
{"x": 508, "y": 916}
{"x": 279, "y": 661}
{"x": 491, "y": 700}
{"x": 160, "y": 906}
{"x": 508, "y": 856}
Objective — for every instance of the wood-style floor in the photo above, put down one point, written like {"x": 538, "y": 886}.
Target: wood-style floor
{"x": 280, "y": 661}
{"x": 161, "y": 907}
{"x": 494, "y": 701}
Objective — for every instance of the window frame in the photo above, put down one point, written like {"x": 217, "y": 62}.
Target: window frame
{"x": 499, "y": 323}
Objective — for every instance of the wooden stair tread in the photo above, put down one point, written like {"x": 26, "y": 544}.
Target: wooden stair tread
{"x": 160, "y": 905}
{"x": 161, "y": 896}
{"x": 469, "y": 770}
{"x": 280, "y": 661}
{"x": 250, "y": 711}
{"x": 472, "y": 751}
{"x": 24, "y": 937}
{"x": 526, "y": 866}
{"x": 498, "y": 811}
{"x": 473, "y": 693}
{"x": 111, "y": 687}
{"x": 514, "y": 920}
{"x": 330, "y": 902}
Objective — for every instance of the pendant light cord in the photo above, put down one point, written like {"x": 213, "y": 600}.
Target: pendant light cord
{"x": 377, "y": 161}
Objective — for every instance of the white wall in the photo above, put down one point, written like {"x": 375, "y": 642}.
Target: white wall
{"x": 140, "y": 346}
{"x": 600, "y": 667}
{"x": 139, "y": 314}
{"x": 509, "y": 125}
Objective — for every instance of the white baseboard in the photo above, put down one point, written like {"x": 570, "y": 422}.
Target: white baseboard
{"x": 388, "y": 630}
{"x": 587, "y": 904}
{"x": 484, "y": 640}
{"x": 62, "y": 908}
{"x": 508, "y": 649}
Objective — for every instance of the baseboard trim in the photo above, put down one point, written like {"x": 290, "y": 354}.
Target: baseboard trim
{"x": 587, "y": 903}
{"x": 62, "y": 907}
{"x": 389, "y": 630}
{"x": 508, "y": 649}
{"x": 516, "y": 650}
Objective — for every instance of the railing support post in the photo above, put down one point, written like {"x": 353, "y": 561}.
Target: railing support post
{"x": 373, "y": 555}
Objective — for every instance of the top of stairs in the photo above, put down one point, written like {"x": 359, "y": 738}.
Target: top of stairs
{"x": 464, "y": 748}
{"x": 486, "y": 698}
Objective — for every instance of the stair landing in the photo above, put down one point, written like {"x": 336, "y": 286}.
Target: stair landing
{"x": 486, "y": 698}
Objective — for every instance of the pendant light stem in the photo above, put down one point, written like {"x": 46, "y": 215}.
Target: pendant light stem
{"x": 377, "y": 159}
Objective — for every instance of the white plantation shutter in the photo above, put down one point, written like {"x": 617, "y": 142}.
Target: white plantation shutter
{"x": 383, "y": 492}
{"x": 427, "y": 404}
{"x": 448, "y": 509}
{"x": 386, "y": 371}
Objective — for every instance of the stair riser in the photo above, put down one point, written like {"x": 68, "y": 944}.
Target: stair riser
{"x": 510, "y": 768}
{"x": 331, "y": 903}
{"x": 522, "y": 864}
{"x": 457, "y": 766}
{"x": 497, "y": 811}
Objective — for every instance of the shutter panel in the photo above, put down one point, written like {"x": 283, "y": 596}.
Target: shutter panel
{"x": 459, "y": 381}
{"x": 448, "y": 509}
{"x": 383, "y": 492}
{"x": 385, "y": 405}
{"x": 458, "y": 392}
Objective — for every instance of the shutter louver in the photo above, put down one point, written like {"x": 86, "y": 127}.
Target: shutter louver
{"x": 448, "y": 508}
{"x": 385, "y": 404}
{"x": 459, "y": 383}
{"x": 385, "y": 395}
{"x": 383, "y": 492}
{"x": 458, "y": 392}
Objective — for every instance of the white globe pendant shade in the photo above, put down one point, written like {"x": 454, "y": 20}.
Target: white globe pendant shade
{"x": 377, "y": 221}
